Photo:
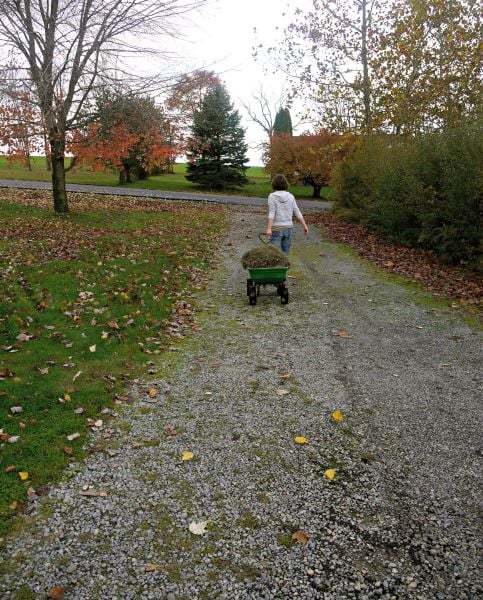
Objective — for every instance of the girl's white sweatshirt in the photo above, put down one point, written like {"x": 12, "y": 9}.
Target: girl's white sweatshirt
{"x": 281, "y": 208}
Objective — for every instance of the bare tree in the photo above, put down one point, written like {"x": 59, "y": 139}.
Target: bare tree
{"x": 67, "y": 48}
{"x": 264, "y": 109}
{"x": 326, "y": 55}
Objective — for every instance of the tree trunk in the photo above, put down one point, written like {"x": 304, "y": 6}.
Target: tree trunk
{"x": 317, "y": 189}
{"x": 59, "y": 192}
{"x": 125, "y": 175}
{"x": 48, "y": 162}
{"x": 366, "y": 81}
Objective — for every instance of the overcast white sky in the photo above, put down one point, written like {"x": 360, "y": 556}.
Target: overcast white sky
{"x": 222, "y": 41}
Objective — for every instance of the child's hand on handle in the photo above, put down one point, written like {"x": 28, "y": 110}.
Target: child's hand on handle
{"x": 269, "y": 232}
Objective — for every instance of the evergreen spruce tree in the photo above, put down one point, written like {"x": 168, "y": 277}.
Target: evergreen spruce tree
{"x": 283, "y": 122}
{"x": 217, "y": 150}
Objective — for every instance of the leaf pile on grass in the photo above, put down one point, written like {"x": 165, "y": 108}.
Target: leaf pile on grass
{"x": 87, "y": 302}
{"x": 265, "y": 256}
{"x": 418, "y": 265}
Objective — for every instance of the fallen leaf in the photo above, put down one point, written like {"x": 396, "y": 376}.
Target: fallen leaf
{"x": 344, "y": 334}
{"x": 337, "y": 415}
{"x": 16, "y": 409}
{"x": 330, "y": 474}
{"x": 13, "y": 439}
{"x": 92, "y": 348}
{"x": 282, "y": 392}
{"x": 170, "y": 430}
{"x": 152, "y": 392}
{"x": 10, "y": 468}
{"x": 187, "y": 455}
{"x": 56, "y": 593}
{"x": 301, "y": 537}
{"x": 73, "y": 436}
{"x": 79, "y": 411}
{"x": 76, "y": 375}
{"x": 151, "y": 568}
{"x": 93, "y": 493}
{"x": 198, "y": 528}
{"x": 301, "y": 440}
{"x": 23, "y": 337}
{"x": 23, "y": 475}
{"x": 14, "y": 505}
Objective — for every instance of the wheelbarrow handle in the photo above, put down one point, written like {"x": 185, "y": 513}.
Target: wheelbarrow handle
{"x": 261, "y": 238}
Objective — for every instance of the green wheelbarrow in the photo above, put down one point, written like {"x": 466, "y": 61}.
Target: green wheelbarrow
{"x": 262, "y": 276}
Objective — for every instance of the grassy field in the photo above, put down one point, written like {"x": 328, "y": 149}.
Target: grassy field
{"x": 86, "y": 301}
{"x": 259, "y": 185}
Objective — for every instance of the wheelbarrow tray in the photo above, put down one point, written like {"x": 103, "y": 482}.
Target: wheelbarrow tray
{"x": 268, "y": 274}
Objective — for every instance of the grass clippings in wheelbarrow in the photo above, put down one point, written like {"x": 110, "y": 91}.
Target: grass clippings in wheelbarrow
{"x": 264, "y": 257}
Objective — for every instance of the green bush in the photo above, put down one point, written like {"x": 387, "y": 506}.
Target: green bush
{"x": 420, "y": 191}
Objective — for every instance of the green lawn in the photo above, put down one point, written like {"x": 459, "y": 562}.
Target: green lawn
{"x": 259, "y": 185}
{"x": 85, "y": 304}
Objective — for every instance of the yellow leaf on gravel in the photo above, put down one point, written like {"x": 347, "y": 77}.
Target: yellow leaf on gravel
{"x": 187, "y": 455}
{"x": 23, "y": 475}
{"x": 330, "y": 474}
{"x": 301, "y": 440}
{"x": 337, "y": 415}
{"x": 152, "y": 392}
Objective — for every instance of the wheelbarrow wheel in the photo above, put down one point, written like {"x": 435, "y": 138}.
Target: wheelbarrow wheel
{"x": 284, "y": 295}
{"x": 252, "y": 295}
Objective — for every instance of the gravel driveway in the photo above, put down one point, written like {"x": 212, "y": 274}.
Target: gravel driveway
{"x": 400, "y": 518}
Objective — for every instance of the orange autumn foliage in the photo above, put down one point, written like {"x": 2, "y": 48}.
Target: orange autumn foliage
{"x": 307, "y": 159}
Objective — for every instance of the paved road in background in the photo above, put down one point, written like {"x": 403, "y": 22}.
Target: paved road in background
{"x": 159, "y": 194}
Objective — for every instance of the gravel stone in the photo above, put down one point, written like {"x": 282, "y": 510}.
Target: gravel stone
{"x": 400, "y": 519}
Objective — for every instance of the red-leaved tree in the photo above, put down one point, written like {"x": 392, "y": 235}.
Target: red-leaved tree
{"x": 130, "y": 134}
{"x": 20, "y": 132}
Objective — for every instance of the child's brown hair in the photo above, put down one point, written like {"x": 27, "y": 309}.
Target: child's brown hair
{"x": 279, "y": 182}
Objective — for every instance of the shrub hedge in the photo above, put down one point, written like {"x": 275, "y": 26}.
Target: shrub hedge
{"x": 420, "y": 191}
